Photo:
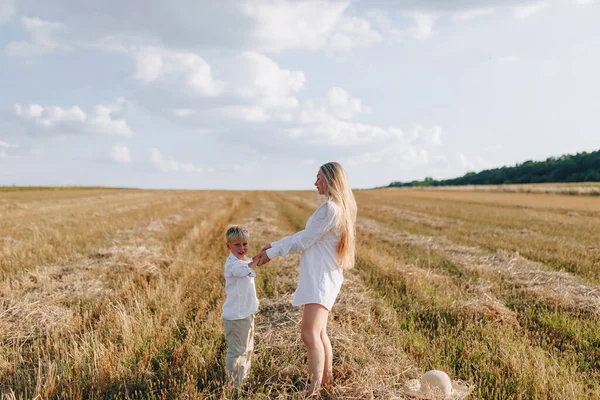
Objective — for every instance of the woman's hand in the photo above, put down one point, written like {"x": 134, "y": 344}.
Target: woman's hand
{"x": 263, "y": 258}
{"x": 265, "y": 248}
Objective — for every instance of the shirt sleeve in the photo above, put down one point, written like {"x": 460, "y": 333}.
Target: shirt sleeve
{"x": 239, "y": 269}
{"x": 322, "y": 221}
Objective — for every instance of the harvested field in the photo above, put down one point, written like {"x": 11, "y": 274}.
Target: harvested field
{"x": 117, "y": 293}
{"x": 574, "y": 189}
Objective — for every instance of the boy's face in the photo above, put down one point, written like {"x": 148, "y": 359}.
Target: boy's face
{"x": 239, "y": 247}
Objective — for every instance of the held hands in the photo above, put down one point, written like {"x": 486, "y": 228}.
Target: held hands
{"x": 262, "y": 258}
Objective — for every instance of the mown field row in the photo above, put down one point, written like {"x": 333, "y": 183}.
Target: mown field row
{"x": 570, "y": 189}
{"x": 118, "y": 294}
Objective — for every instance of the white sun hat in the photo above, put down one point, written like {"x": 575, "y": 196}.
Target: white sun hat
{"x": 435, "y": 385}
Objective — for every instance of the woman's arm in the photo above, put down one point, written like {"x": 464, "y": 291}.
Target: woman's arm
{"x": 321, "y": 222}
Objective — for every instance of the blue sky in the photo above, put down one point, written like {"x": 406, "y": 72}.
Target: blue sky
{"x": 257, "y": 94}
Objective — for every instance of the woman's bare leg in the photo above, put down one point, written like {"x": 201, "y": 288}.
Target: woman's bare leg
{"x": 314, "y": 319}
{"x": 328, "y": 366}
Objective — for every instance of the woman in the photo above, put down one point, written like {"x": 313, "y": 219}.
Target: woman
{"x": 327, "y": 246}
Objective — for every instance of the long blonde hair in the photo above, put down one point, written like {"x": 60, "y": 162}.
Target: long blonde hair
{"x": 340, "y": 193}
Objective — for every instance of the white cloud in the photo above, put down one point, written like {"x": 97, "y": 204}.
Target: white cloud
{"x": 44, "y": 38}
{"x": 353, "y": 33}
{"x": 322, "y": 128}
{"x": 424, "y": 22}
{"x": 528, "y": 9}
{"x": 172, "y": 165}
{"x": 337, "y": 106}
{"x": 469, "y": 15}
{"x": 260, "y": 90}
{"x": 254, "y": 87}
{"x": 7, "y": 10}
{"x": 585, "y": 2}
{"x": 50, "y": 116}
{"x": 106, "y": 119}
{"x": 120, "y": 154}
{"x": 407, "y": 148}
{"x": 186, "y": 69}
{"x": 261, "y": 78}
{"x": 258, "y": 25}
{"x": 311, "y": 25}
{"x": 344, "y": 106}
{"x": 329, "y": 123}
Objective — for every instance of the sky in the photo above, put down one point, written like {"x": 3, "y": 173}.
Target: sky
{"x": 257, "y": 94}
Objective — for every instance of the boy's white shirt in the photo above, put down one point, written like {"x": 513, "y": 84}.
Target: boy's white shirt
{"x": 241, "y": 301}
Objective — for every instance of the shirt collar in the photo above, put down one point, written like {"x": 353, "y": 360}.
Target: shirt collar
{"x": 234, "y": 257}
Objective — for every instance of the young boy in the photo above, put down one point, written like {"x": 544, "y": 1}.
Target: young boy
{"x": 240, "y": 305}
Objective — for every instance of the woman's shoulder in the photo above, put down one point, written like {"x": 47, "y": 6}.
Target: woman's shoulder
{"x": 332, "y": 205}
{"x": 328, "y": 206}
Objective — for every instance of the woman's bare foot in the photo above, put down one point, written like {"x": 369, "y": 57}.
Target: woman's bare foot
{"x": 327, "y": 381}
{"x": 314, "y": 390}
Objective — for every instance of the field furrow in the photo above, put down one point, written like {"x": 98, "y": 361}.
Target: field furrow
{"x": 38, "y": 241}
{"x": 565, "y": 238}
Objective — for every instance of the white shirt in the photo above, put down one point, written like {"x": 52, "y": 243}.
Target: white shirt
{"x": 241, "y": 301}
{"x": 320, "y": 276}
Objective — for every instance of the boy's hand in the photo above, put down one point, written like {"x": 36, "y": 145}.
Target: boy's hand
{"x": 255, "y": 261}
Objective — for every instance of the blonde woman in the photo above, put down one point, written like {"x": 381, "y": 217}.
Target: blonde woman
{"x": 327, "y": 246}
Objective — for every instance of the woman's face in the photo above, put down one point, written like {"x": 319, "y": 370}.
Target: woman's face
{"x": 321, "y": 184}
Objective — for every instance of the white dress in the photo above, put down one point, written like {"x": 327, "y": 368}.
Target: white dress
{"x": 320, "y": 276}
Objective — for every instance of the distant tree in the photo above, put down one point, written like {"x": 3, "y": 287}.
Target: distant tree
{"x": 581, "y": 167}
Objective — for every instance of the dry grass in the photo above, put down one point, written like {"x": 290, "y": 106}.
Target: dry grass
{"x": 117, "y": 294}
{"x": 573, "y": 189}
{"x": 561, "y": 232}
{"x": 512, "y": 326}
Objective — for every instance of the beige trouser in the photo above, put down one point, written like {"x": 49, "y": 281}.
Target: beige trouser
{"x": 239, "y": 335}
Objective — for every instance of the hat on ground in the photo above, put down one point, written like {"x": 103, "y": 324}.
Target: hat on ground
{"x": 435, "y": 385}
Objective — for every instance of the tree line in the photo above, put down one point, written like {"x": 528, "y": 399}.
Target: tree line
{"x": 581, "y": 167}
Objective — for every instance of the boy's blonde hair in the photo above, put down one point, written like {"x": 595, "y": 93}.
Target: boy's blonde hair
{"x": 235, "y": 232}
{"x": 340, "y": 193}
